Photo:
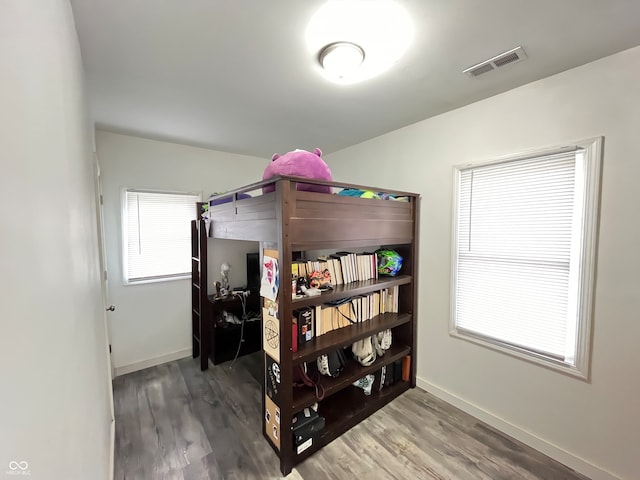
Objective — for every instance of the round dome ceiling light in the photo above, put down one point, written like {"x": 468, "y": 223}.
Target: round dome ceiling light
{"x": 348, "y": 28}
{"x": 341, "y": 59}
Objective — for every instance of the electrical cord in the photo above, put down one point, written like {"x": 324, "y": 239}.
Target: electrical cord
{"x": 357, "y": 320}
{"x": 243, "y": 302}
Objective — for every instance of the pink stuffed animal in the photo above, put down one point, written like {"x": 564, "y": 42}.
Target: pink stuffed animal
{"x": 299, "y": 163}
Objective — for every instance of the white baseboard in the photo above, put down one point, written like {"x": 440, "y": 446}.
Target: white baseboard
{"x": 580, "y": 465}
{"x": 152, "y": 362}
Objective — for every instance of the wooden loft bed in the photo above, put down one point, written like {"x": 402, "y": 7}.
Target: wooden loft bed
{"x": 313, "y": 220}
{"x": 287, "y": 221}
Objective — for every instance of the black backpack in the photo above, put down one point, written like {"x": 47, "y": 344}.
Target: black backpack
{"x": 332, "y": 363}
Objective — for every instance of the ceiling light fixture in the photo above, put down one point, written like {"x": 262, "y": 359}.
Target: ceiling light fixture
{"x": 341, "y": 59}
{"x": 349, "y": 28}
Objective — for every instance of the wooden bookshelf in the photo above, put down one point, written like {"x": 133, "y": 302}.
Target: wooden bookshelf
{"x": 285, "y": 221}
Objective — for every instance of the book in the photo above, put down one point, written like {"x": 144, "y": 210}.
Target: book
{"x": 327, "y": 318}
{"x": 318, "y": 320}
{"x": 365, "y": 266}
{"x": 345, "y": 315}
{"x": 351, "y": 257}
{"x": 301, "y": 266}
{"x": 360, "y": 269}
{"x": 317, "y": 314}
{"x": 375, "y": 265}
{"x": 294, "y": 334}
{"x": 344, "y": 263}
{"x": 332, "y": 272}
{"x": 367, "y": 308}
{"x": 393, "y": 299}
{"x": 338, "y": 269}
{"x": 304, "y": 318}
{"x": 354, "y": 267}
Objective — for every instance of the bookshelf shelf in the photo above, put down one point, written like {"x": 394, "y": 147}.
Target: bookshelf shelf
{"x": 286, "y": 221}
{"x": 348, "y": 408}
{"x": 350, "y": 290}
{"x": 343, "y": 337}
{"x": 304, "y": 397}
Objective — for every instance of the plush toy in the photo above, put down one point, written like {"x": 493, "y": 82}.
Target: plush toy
{"x": 299, "y": 163}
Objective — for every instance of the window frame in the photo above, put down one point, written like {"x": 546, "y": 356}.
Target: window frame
{"x": 581, "y": 369}
{"x": 124, "y": 245}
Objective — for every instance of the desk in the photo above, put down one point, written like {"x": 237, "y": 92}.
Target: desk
{"x": 224, "y": 338}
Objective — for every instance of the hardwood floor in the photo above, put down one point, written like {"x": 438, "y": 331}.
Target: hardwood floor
{"x": 175, "y": 422}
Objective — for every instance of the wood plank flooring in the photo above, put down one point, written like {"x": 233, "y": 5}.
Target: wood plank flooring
{"x": 175, "y": 422}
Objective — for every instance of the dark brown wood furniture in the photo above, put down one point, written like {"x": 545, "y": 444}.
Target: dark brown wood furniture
{"x": 287, "y": 221}
{"x": 231, "y": 340}
{"x": 200, "y": 325}
{"x": 210, "y": 339}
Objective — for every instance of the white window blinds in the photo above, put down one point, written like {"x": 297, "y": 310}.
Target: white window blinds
{"x": 157, "y": 234}
{"x": 518, "y": 250}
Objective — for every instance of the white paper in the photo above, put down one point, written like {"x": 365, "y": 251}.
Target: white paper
{"x": 270, "y": 278}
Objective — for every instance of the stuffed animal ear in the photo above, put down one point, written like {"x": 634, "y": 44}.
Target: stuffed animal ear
{"x": 275, "y": 157}
{"x": 318, "y": 152}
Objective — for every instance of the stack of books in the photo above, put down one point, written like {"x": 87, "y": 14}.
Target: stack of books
{"x": 344, "y": 267}
{"x": 328, "y": 317}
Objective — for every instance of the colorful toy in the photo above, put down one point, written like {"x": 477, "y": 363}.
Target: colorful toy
{"x": 354, "y": 192}
{"x": 299, "y": 163}
{"x": 389, "y": 262}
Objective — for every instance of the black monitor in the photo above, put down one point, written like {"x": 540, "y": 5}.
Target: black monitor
{"x": 253, "y": 282}
{"x": 253, "y": 271}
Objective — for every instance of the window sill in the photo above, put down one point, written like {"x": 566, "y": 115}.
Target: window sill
{"x": 523, "y": 354}
{"x": 127, "y": 283}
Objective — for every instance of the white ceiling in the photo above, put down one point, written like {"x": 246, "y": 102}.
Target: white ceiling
{"x": 235, "y": 75}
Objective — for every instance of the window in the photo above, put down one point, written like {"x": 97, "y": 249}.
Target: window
{"x": 156, "y": 229}
{"x": 524, "y": 254}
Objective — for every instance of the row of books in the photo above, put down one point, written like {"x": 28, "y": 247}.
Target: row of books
{"x": 329, "y": 317}
{"x": 344, "y": 267}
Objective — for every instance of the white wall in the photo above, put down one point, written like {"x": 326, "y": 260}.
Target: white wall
{"x": 152, "y": 322}
{"x": 55, "y": 402}
{"x": 593, "y": 426}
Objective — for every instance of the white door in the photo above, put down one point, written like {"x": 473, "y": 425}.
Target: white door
{"x": 105, "y": 299}
{"x": 103, "y": 259}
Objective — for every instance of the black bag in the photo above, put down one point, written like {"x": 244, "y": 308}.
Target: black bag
{"x": 302, "y": 377}
{"x": 381, "y": 378}
{"x": 331, "y": 364}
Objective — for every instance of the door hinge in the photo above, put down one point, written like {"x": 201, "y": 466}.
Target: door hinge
{"x": 101, "y": 200}
{"x": 109, "y": 348}
{"x": 105, "y": 275}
